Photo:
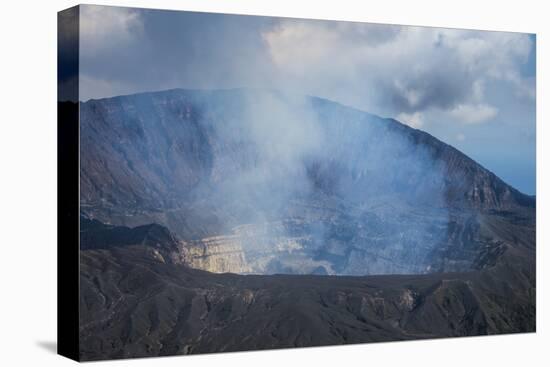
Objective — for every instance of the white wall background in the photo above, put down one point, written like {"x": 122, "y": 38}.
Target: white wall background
{"x": 28, "y": 182}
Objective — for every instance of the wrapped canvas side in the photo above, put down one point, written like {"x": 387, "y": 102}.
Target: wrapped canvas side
{"x": 68, "y": 184}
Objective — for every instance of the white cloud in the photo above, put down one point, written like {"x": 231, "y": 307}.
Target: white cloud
{"x": 474, "y": 114}
{"x": 104, "y": 27}
{"x": 402, "y": 71}
{"x": 460, "y": 137}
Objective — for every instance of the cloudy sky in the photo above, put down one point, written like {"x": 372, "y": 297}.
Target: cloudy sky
{"x": 474, "y": 90}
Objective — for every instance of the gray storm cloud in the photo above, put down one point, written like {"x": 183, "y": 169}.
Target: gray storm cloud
{"x": 408, "y": 69}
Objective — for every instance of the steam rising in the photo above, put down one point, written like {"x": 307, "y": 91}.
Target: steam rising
{"x": 299, "y": 184}
{"x": 299, "y": 170}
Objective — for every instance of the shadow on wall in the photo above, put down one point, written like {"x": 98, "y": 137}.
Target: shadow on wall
{"x": 49, "y": 346}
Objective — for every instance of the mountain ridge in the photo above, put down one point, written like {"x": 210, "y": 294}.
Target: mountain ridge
{"x": 330, "y": 184}
{"x": 243, "y": 89}
{"x": 217, "y": 221}
{"x": 418, "y": 134}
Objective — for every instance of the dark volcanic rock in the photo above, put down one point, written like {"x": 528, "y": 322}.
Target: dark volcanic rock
{"x": 96, "y": 235}
{"x": 135, "y": 305}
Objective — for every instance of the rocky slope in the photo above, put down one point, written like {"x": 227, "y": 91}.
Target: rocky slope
{"x": 154, "y": 150}
{"x": 138, "y": 301}
{"x": 287, "y": 191}
{"x": 265, "y": 182}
